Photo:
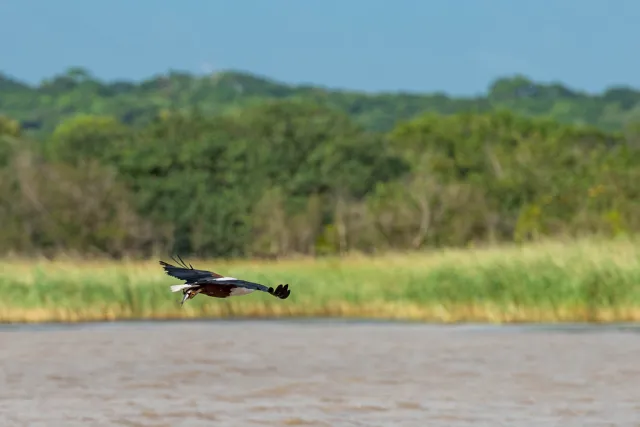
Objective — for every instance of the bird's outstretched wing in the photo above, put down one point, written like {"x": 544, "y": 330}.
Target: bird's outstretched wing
{"x": 187, "y": 273}
{"x": 281, "y": 291}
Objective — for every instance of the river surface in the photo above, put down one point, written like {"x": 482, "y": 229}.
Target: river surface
{"x": 317, "y": 373}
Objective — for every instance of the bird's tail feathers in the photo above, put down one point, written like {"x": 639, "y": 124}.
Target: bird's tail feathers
{"x": 178, "y": 288}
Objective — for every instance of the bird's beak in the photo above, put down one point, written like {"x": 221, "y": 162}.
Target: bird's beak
{"x": 184, "y": 298}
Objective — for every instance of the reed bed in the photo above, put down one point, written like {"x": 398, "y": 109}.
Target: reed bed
{"x": 585, "y": 280}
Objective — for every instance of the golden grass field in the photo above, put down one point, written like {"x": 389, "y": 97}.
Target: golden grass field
{"x": 586, "y": 280}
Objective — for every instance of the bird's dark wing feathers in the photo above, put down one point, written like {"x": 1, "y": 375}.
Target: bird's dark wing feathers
{"x": 186, "y": 273}
{"x": 280, "y": 291}
{"x": 235, "y": 282}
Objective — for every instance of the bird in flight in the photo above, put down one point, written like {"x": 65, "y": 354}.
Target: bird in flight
{"x": 214, "y": 284}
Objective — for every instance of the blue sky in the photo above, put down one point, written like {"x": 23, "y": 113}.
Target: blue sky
{"x": 454, "y": 46}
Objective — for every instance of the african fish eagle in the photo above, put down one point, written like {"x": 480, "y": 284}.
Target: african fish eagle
{"x": 214, "y": 284}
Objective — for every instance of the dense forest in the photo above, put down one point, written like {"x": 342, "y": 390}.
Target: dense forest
{"x": 234, "y": 165}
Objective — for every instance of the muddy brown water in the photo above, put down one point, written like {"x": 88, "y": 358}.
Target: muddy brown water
{"x": 317, "y": 373}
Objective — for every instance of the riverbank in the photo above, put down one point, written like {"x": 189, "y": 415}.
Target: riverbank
{"x": 587, "y": 280}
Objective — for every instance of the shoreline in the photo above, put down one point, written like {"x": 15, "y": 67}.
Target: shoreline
{"x": 438, "y": 315}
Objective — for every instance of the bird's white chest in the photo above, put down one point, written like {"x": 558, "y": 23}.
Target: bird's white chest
{"x": 240, "y": 291}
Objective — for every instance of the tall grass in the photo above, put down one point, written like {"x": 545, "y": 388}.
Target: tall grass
{"x": 579, "y": 281}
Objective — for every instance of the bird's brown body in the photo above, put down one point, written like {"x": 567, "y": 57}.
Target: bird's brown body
{"x": 216, "y": 291}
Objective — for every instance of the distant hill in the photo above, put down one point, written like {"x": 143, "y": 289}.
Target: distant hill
{"x": 40, "y": 108}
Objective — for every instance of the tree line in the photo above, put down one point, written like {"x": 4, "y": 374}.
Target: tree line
{"x": 286, "y": 177}
{"x": 40, "y": 108}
